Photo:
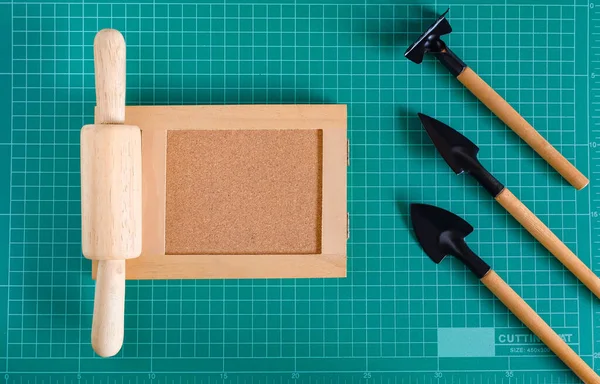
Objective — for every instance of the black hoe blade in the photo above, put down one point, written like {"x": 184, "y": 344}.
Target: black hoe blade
{"x": 430, "y": 42}
{"x": 442, "y": 233}
{"x": 459, "y": 152}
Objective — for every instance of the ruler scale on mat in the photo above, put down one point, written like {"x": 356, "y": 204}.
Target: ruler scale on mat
{"x": 594, "y": 145}
{"x": 396, "y": 317}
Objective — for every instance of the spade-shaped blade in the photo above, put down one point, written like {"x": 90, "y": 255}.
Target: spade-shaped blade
{"x": 442, "y": 233}
{"x": 459, "y": 152}
{"x": 432, "y": 225}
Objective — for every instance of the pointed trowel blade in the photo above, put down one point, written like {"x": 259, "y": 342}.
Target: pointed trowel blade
{"x": 458, "y": 151}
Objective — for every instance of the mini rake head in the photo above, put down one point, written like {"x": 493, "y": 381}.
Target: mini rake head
{"x": 430, "y": 40}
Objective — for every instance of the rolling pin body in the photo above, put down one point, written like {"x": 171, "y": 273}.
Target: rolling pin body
{"x": 111, "y": 190}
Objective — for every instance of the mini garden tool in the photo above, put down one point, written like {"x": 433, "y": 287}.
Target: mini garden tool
{"x": 442, "y": 233}
{"x": 461, "y": 155}
{"x": 111, "y": 192}
{"x": 430, "y": 42}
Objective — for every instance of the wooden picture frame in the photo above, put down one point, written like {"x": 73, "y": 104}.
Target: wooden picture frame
{"x": 156, "y": 121}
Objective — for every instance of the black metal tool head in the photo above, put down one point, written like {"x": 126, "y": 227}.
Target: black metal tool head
{"x": 433, "y": 226}
{"x": 430, "y": 40}
{"x": 454, "y": 147}
{"x": 459, "y": 152}
{"x": 441, "y": 233}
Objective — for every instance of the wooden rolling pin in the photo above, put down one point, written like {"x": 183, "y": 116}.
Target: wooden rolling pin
{"x": 111, "y": 192}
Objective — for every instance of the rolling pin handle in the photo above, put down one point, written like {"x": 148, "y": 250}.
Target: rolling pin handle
{"x": 109, "y": 66}
{"x": 109, "y": 308}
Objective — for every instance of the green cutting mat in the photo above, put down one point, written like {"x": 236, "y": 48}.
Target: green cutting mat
{"x": 392, "y": 318}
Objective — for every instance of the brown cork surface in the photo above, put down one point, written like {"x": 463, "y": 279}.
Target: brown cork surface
{"x": 243, "y": 192}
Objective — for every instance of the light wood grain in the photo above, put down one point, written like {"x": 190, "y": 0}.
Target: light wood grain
{"x": 549, "y": 240}
{"x": 334, "y": 231}
{"x": 539, "y": 327}
{"x": 111, "y": 193}
{"x": 243, "y": 116}
{"x": 155, "y": 264}
{"x": 521, "y": 127}
{"x": 109, "y": 306}
{"x": 109, "y": 66}
{"x": 154, "y": 148}
{"x": 169, "y": 267}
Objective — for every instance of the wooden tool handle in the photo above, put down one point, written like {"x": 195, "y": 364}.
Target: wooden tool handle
{"x": 109, "y": 308}
{"x": 109, "y": 65}
{"x": 536, "y": 324}
{"x": 517, "y": 123}
{"x": 549, "y": 240}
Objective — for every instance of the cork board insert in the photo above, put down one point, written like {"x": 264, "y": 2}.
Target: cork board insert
{"x": 243, "y": 192}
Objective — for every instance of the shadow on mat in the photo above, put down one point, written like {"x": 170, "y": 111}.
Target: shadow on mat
{"x": 395, "y": 32}
{"x": 276, "y": 93}
{"x": 418, "y": 142}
